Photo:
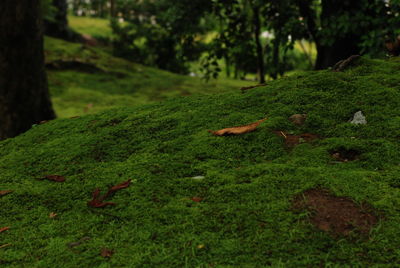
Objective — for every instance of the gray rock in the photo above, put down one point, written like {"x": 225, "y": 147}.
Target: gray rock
{"x": 358, "y": 119}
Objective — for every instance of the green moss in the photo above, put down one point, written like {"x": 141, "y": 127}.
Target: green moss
{"x": 245, "y": 217}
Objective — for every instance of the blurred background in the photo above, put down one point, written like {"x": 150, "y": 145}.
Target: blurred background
{"x": 106, "y": 53}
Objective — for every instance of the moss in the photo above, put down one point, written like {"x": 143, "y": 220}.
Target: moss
{"x": 244, "y": 218}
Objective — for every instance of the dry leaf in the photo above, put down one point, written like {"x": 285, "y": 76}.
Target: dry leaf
{"x": 120, "y": 186}
{"x": 4, "y": 192}
{"x": 238, "y": 130}
{"x": 106, "y": 253}
{"x": 4, "y": 229}
{"x": 52, "y": 215}
{"x": 56, "y": 178}
{"x": 97, "y": 201}
{"x": 196, "y": 199}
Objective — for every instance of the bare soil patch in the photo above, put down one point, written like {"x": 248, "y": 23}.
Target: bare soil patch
{"x": 293, "y": 140}
{"x": 345, "y": 155}
{"x": 338, "y": 216}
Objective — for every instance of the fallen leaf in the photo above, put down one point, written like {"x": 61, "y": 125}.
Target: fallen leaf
{"x": 97, "y": 200}
{"x": 121, "y": 186}
{"x": 106, "y": 253}
{"x": 56, "y": 178}
{"x": 238, "y": 130}
{"x": 4, "y": 192}
{"x": 52, "y": 215}
{"x": 5, "y": 245}
{"x": 4, "y": 229}
{"x": 196, "y": 199}
{"x": 200, "y": 246}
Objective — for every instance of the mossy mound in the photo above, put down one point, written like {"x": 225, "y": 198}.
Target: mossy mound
{"x": 85, "y": 79}
{"x": 242, "y": 211}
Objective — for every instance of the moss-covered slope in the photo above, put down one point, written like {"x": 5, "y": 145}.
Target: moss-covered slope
{"x": 84, "y": 80}
{"x": 245, "y": 217}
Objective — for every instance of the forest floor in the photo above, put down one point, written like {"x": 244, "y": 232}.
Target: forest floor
{"x": 311, "y": 190}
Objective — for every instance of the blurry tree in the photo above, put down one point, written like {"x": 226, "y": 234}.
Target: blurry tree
{"x": 341, "y": 28}
{"x": 242, "y": 24}
{"x": 24, "y": 96}
{"x": 163, "y": 33}
{"x": 56, "y": 22}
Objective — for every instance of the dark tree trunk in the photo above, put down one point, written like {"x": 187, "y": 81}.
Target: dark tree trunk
{"x": 24, "y": 95}
{"x": 112, "y": 8}
{"x": 58, "y": 27}
{"x": 344, "y": 46}
{"x": 260, "y": 54}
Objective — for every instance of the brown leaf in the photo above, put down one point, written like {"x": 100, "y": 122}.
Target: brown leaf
{"x": 4, "y": 229}
{"x": 106, "y": 253}
{"x": 196, "y": 199}
{"x": 4, "y": 192}
{"x": 238, "y": 130}
{"x": 52, "y": 215}
{"x": 97, "y": 201}
{"x": 56, "y": 178}
{"x": 123, "y": 185}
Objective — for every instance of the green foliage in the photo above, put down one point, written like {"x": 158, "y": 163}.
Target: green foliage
{"x": 245, "y": 218}
{"x": 48, "y": 10}
{"x": 160, "y": 33}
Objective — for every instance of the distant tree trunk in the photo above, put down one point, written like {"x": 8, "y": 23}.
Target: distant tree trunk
{"x": 260, "y": 54}
{"x": 59, "y": 27}
{"x": 343, "y": 46}
{"x": 24, "y": 95}
{"x": 112, "y": 8}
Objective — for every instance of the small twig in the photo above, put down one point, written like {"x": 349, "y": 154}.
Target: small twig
{"x": 243, "y": 89}
{"x": 283, "y": 134}
{"x": 341, "y": 65}
{"x": 5, "y": 245}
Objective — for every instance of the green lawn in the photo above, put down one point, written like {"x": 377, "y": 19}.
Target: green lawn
{"x": 240, "y": 212}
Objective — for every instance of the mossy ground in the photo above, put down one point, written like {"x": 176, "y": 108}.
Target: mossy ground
{"x": 245, "y": 218}
{"x": 123, "y": 84}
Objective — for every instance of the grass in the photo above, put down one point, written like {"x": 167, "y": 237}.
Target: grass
{"x": 245, "y": 218}
{"x": 122, "y": 83}
{"x": 96, "y": 27}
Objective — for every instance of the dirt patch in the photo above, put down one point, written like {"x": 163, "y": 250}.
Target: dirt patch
{"x": 338, "y": 216}
{"x": 293, "y": 140}
{"x": 345, "y": 155}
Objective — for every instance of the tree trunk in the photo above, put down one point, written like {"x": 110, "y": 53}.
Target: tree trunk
{"x": 24, "y": 95}
{"x": 112, "y": 8}
{"x": 260, "y": 54}
{"x": 58, "y": 27}
{"x": 344, "y": 46}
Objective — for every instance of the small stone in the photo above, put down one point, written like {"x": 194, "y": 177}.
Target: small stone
{"x": 298, "y": 119}
{"x": 198, "y": 177}
{"x": 358, "y": 119}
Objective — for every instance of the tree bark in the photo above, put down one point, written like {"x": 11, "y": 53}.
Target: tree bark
{"x": 59, "y": 27}
{"x": 24, "y": 95}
